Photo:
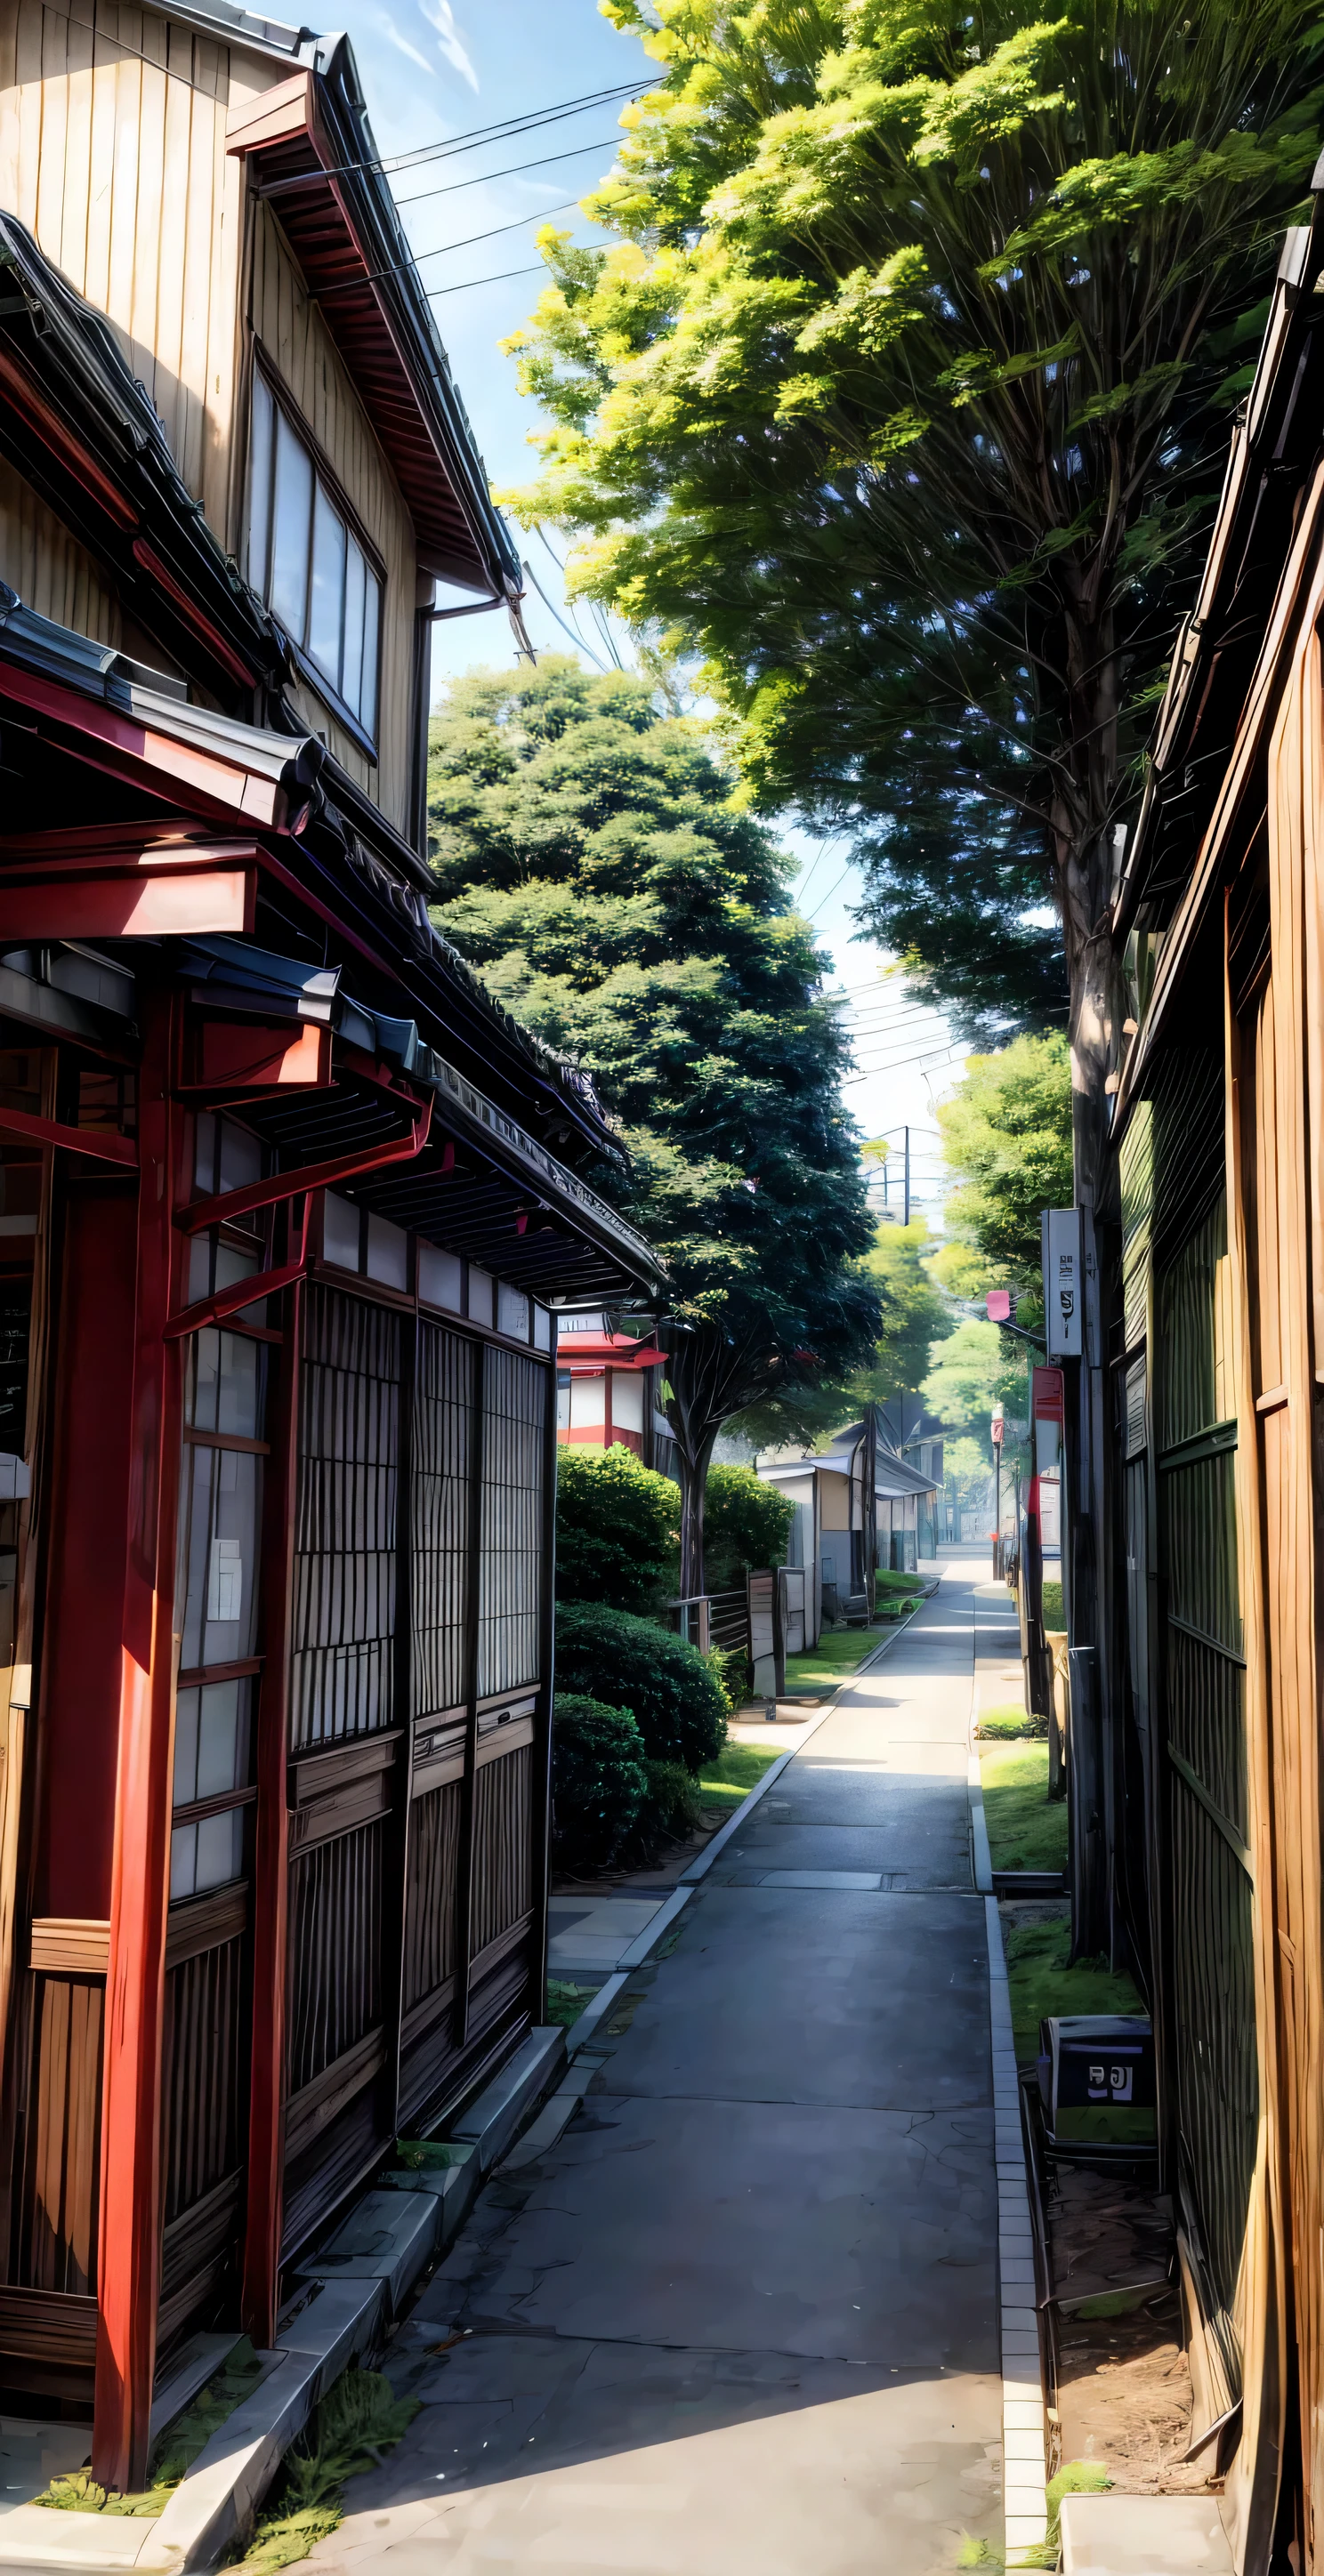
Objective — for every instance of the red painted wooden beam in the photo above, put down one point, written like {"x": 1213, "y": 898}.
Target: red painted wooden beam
{"x": 96, "y": 1141}
{"x": 129, "y": 2241}
{"x": 168, "y": 903}
{"x": 232, "y": 1204}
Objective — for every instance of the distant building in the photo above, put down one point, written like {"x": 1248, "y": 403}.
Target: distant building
{"x": 827, "y": 1534}
{"x": 607, "y": 1391}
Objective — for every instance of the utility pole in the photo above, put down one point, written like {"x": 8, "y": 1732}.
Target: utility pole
{"x": 906, "y": 1216}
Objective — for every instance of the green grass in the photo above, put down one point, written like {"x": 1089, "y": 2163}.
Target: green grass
{"x": 1024, "y": 1831}
{"x": 837, "y": 1654}
{"x": 566, "y": 2001}
{"x": 1001, "y": 1724}
{"x": 726, "y": 1781}
{"x": 1041, "y": 1983}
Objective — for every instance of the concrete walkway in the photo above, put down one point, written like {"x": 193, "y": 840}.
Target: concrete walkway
{"x": 744, "y": 2315}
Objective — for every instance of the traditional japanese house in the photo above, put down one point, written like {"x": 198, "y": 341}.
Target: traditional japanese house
{"x": 608, "y": 1391}
{"x": 286, "y": 1210}
{"x": 1210, "y": 1802}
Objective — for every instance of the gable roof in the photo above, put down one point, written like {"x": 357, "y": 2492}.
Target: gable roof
{"x": 312, "y": 154}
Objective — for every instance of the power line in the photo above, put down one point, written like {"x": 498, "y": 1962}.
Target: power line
{"x": 566, "y": 630}
{"x": 545, "y": 161}
{"x": 453, "y": 143}
{"x": 432, "y": 292}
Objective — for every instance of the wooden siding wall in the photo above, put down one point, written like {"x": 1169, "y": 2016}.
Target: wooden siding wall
{"x": 1178, "y": 1441}
{"x": 112, "y": 152}
{"x": 418, "y": 1595}
{"x": 50, "y": 571}
{"x": 298, "y": 346}
{"x": 203, "y": 2104}
{"x": 55, "y": 2244}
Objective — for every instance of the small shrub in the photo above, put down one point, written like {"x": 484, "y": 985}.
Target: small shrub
{"x": 599, "y": 1779}
{"x": 617, "y": 1529}
{"x": 1054, "y": 1610}
{"x": 1004, "y": 1725}
{"x": 672, "y": 1691}
{"x": 672, "y": 1803}
{"x": 746, "y": 1523}
{"x": 359, "y": 2418}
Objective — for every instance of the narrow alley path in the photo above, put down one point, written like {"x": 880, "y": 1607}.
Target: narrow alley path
{"x": 744, "y": 2314}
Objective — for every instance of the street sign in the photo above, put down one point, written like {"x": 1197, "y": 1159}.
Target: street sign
{"x": 1063, "y": 1282}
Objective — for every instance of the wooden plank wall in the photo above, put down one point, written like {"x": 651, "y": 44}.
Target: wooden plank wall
{"x": 49, "y": 569}
{"x": 112, "y": 152}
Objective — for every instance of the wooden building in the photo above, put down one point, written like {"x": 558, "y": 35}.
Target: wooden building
{"x": 1211, "y": 1797}
{"x": 286, "y": 1209}
{"x": 609, "y": 1392}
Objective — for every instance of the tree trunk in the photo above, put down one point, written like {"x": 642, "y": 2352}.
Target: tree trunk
{"x": 706, "y": 1382}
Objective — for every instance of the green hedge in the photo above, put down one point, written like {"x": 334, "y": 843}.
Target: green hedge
{"x": 673, "y": 1692}
{"x": 599, "y": 1779}
{"x": 617, "y": 1529}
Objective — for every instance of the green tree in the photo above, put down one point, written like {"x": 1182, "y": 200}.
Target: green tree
{"x": 617, "y": 1529}
{"x": 964, "y": 1380}
{"x": 592, "y": 865}
{"x": 913, "y": 1315}
{"x": 1006, "y": 1132}
{"x": 898, "y": 400}
{"x": 746, "y": 1524}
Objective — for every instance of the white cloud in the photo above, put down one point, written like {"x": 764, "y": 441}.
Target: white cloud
{"x": 393, "y": 37}
{"x": 441, "y": 16}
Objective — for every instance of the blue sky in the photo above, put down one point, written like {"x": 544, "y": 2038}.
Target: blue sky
{"x": 439, "y": 69}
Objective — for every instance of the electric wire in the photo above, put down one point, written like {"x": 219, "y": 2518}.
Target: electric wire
{"x": 450, "y": 144}
{"x": 513, "y": 169}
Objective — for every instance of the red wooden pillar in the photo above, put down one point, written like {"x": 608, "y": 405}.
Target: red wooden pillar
{"x": 266, "y": 2116}
{"x": 130, "y": 2229}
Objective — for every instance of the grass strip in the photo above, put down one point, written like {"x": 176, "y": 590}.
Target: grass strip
{"x": 737, "y": 1769}
{"x": 566, "y": 2000}
{"x": 1041, "y": 1983}
{"x": 838, "y": 1653}
{"x": 1024, "y": 1830}
{"x": 358, "y": 2420}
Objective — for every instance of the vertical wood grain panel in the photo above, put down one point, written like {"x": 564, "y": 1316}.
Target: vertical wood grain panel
{"x": 335, "y": 1967}
{"x": 58, "y": 2193}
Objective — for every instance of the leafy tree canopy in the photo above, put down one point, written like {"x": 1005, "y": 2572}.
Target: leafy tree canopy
{"x": 592, "y": 866}
{"x": 746, "y": 1524}
{"x": 965, "y": 1379}
{"x": 914, "y": 1315}
{"x": 900, "y": 398}
{"x": 1006, "y": 1132}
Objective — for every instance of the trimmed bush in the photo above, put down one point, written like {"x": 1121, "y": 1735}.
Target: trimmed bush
{"x": 599, "y": 1779}
{"x": 672, "y": 1803}
{"x": 746, "y": 1523}
{"x": 673, "y": 1692}
{"x": 617, "y": 1529}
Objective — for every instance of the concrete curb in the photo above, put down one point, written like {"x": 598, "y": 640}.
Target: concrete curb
{"x": 1024, "y": 2502}
{"x": 355, "y": 2288}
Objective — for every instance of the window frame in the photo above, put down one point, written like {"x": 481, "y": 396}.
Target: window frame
{"x": 325, "y": 475}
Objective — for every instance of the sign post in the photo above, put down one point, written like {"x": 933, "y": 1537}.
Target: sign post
{"x": 1064, "y": 1282}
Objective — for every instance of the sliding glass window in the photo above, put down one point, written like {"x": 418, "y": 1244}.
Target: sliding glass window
{"x": 308, "y": 564}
